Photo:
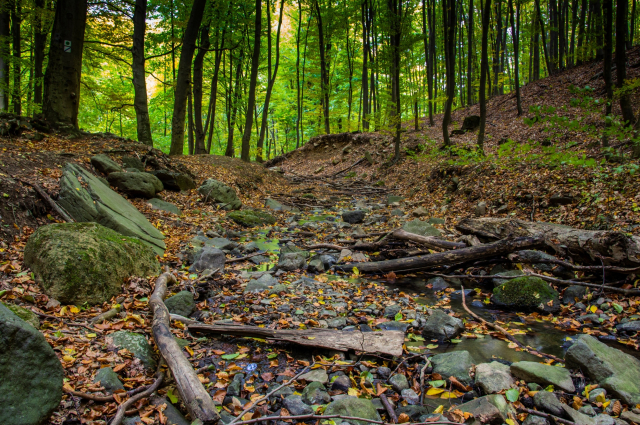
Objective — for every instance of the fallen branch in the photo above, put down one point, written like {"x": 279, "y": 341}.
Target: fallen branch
{"x": 195, "y": 397}
{"x": 48, "y": 316}
{"x": 45, "y": 196}
{"x": 246, "y": 257}
{"x": 389, "y": 408}
{"x": 105, "y": 398}
{"x": 428, "y": 241}
{"x": 571, "y": 266}
{"x": 346, "y": 418}
{"x": 107, "y": 315}
{"x": 546, "y": 416}
{"x": 122, "y": 409}
{"x": 507, "y": 334}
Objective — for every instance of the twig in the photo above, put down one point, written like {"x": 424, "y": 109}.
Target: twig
{"x": 44, "y": 195}
{"x": 507, "y": 334}
{"x": 347, "y": 418}
{"x": 122, "y": 409}
{"x": 48, "y": 316}
{"x": 546, "y": 416}
{"x": 389, "y": 408}
{"x": 422, "y": 371}
{"x": 104, "y": 398}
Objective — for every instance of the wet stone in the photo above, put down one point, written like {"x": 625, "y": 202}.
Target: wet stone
{"x": 399, "y": 382}
{"x": 315, "y": 393}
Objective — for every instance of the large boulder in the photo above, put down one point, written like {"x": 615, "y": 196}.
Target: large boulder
{"x": 26, "y": 315}
{"x": 216, "y": 192}
{"x": 494, "y": 377}
{"x": 31, "y": 374}
{"x": 526, "y": 292}
{"x": 86, "y": 199}
{"x": 251, "y": 218}
{"x": 141, "y": 185}
{"x": 471, "y": 123}
{"x": 442, "y": 326}
{"x": 79, "y": 263}
{"x": 132, "y": 162}
{"x": 453, "y": 363}
{"x": 354, "y": 407}
{"x": 175, "y": 181}
{"x": 544, "y": 374}
{"x": 613, "y": 370}
{"x": 105, "y": 164}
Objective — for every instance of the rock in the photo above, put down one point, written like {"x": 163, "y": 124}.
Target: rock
{"x": 560, "y": 199}
{"x": 410, "y": 396}
{"x": 548, "y": 402}
{"x": 421, "y": 228}
{"x": 593, "y": 394}
{"x": 470, "y": 123}
{"x": 251, "y": 218}
{"x": 31, "y": 383}
{"x": 420, "y": 212}
{"x": 494, "y": 377}
{"x": 453, "y": 363}
{"x": 173, "y": 415}
{"x": 577, "y": 417}
{"x": 353, "y": 217}
{"x": 537, "y": 258}
{"x": 108, "y": 379}
{"x": 104, "y": 164}
{"x": 399, "y": 382}
{"x": 527, "y": 292}
{"x": 292, "y": 261}
{"x": 393, "y": 326}
{"x": 390, "y": 311}
{"x": 137, "y": 344}
{"x": 535, "y": 420}
{"x": 142, "y": 185}
{"x": 437, "y": 283}
{"x": 369, "y": 158}
{"x": 93, "y": 201}
{"x": 338, "y": 322}
{"x": 79, "y": 263}
{"x": 296, "y": 406}
{"x": 132, "y": 162}
{"x": 544, "y": 374}
{"x": 587, "y": 410}
{"x": 414, "y": 412}
{"x": 393, "y": 199}
{"x": 208, "y": 258}
{"x": 341, "y": 383}
{"x": 216, "y": 192}
{"x": 181, "y": 303}
{"x": 316, "y": 265}
{"x": 315, "y": 375}
{"x": 315, "y": 393}
{"x": 629, "y": 327}
{"x": 261, "y": 284}
{"x": 442, "y": 326}
{"x": 275, "y": 205}
{"x": 613, "y": 370}
{"x": 480, "y": 209}
{"x": 159, "y": 204}
{"x": 174, "y": 181}
{"x": 493, "y": 409}
{"x": 630, "y": 416}
{"x": 509, "y": 273}
{"x": 384, "y": 372}
{"x": 354, "y": 407}
{"x": 26, "y": 315}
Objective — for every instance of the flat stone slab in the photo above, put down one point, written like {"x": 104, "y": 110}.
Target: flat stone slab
{"x": 544, "y": 375}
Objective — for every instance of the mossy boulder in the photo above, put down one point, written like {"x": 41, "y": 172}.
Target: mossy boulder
{"x": 216, "y": 192}
{"x": 181, "y": 303}
{"x": 252, "y": 218}
{"x": 138, "y": 184}
{"x": 79, "y": 263}
{"x": 526, "y": 292}
{"x": 137, "y": 344}
{"x": 354, "y": 407}
{"x": 26, "y": 315}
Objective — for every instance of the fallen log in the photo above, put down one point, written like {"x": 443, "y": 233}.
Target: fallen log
{"x": 428, "y": 241}
{"x": 197, "y": 400}
{"x": 615, "y": 248}
{"x": 385, "y": 342}
{"x": 455, "y": 256}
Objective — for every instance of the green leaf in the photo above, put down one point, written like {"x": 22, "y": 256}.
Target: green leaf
{"x": 438, "y": 383}
{"x": 398, "y": 316}
{"x": 432, "y": 346}
{"x": 143, "y": 299}
{"x": 618, "y": 307}
{"x": 3, "y": 292}
{"x": 456, "y": 341}
{"x": 272, "y": 356}
{"x": 549, "y": 388}
{"x": 512, "y": 395}
{"x": 171, "y": 396}
{"x": 230, "y": 356}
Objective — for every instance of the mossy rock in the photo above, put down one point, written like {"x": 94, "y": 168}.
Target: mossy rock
{"x": 79, "y": 263}
{"x": 526, "y": 292}
{"x": 26, "y": 315}
{"x": 251, "y": 218}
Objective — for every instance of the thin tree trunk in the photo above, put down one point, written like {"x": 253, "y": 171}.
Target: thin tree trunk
{"x": 621, "y": 61}
{"x": 581, "y": 30}
{"x": 572, "y": 49}
{"x": 253, "y": 78}
{"x": 234, "y": 99}
{"x": 324, "y": 73}
{"x": 516, "y": 41}
{"x": 484, "y": 70}
{"x": 395, "y": 35}
{"x": 4, "y": 55}
{"x": 198, "y": 68}
{"x": 16, "y": 19}
{"x": 139, "y": 75}
{"x": 470, "y": 100}
{"x": 366, "y": 28}
{"x": 496, "y": 52}
{"x": 544, "y": 40}
{"x": 40, "y": 41}
{"x": 298, "y": 106}
{"x": 432, "y": 57}
{"x": 607, "y": 7}
{"x": 214, "y": 88}
{"x": 450, "y": 25}
{"x": 190, "y": 122}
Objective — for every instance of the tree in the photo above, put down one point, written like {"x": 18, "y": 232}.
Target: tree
{"x": 450, "y": 25}
{"x": 139, "y": 76}
{"x": 470, "y": 42}
{"x": 395, "y": 37}
{"x": 515, "y": 35}
{"x": 4, "y": 54}
{"x": 324, "y": 71}
{"x": 16, "y": 19}
{"x": 39, "y": 43}
{"x": 621, "y": 61}
{"x": 251, "y": 103}
{"x": 484, "y": 70}
{"x": 198, "y": 75}
{"x": 183, "y": 81}
{"x": 64, "y": 70}
{"x": 608, "y": 51}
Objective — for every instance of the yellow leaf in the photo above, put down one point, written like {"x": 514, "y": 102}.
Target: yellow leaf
{"x": 189, "y": 350}
{"x": 434, "y": 391}
{"x": 353, "y": 392}
{"x": 600, "y": 398}
{"x": 68, "y": 358}
{"x": 593, "y": 308}
{"x": 448, "y": 394}
{"x": 91, "y": 335}
{"x": 440, "y": 409}
{"x": 311, "y": 337}
{"x": 73, "y": 309}
{"x": 606, "y": 404}
{"x": 510, "y": 422}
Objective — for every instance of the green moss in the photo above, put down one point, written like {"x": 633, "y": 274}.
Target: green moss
{"x": 524, "y": 292}
{"x": 251, "y": 218}
{"x": 26, "y": 315}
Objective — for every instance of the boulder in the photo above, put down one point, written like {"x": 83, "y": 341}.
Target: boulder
{"x": 79, "y": 263}
{"x": 140, "y": 185}
{"x": 31, "y": 374}
{"x": 442, "y": 326}
{"x": 174, "y": 181}
{"x": 354, "y": 407}
{"x": 132, "y": 162}
{"x": 181, "y": 303}
{"x": 251, "y": 218}
{"x": 420, "y": 212}
{"x": 263, "y": 283}
{"x": 291, "y": 261}
{"x": 527, "y": 292}
{"x": 26, "y": 315}
{"x": 470, "y": 123}
{"x": 544, "y": 374}
{"x": 613, "y": 370}
{"x": 353, "y": 217}
{"x": 159, "y": 204}
{"x": 135, "y": 343}
{"x": 453, "y": 363}
{"x": 171, "y": 413}
{"x": 296, "y": 406}
{"x": 421, "y": 228}
{"x": 208, "y": 258}
{"x": 216, "y": 192}
{"x": 93, "y": 201}
{"x": 104, "y": 164}
{"x": 573, "y": 293}
{"x": 548, "y": 402}
{"x": 108, "y": 379}
{"x": 494, "y": 377}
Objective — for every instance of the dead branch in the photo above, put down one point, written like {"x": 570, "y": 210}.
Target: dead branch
{"x": 389, "y": 408}
{"x": 546, "y": 416}
{"x": 346, "y": 418}
{"x": 45, "y": 196}
{"x": 122, "y": 409}
{"x": 428, "y": 241}
{"x": 105, "y": 398}
{"x": 246, "y": 257}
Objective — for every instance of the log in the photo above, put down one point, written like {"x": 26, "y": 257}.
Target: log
{"x": 444, "y": 258}
{"x": 385, "y": 342}
{"x": 588, "y": 246}
{"x": 428, "y": 241}
{"x": 197, "y": 400}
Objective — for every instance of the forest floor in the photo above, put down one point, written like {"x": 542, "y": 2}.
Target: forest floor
{"x": 516, "y": 179}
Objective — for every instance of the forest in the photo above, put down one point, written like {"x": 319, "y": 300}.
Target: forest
{"x": 222, "y": 77}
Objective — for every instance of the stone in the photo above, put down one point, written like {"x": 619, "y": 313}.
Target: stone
{"x": 383, "y": 371}
{"x": 132, "y": 162}
{"x": 105, "y": 164}
{"x": 315, "y": 375}
{"x": 442, "y": 326}
{"x": 587, "y": 410}
{"x": 315, "y": 393}
{"x": 140, "y": 185}
{"x": 509, "y": 273}
{"x": 494, "y": 377}
{"x": 353, "y": 217}
{"x": 527, "y": 292}
{"x": 181, "y": 303}
{"x": 393, "y": 199}
{"x": 413, "y": 411}
{"x": 629, "y": 327}
{"x": 537, "y": 258}
{"x": 26, "y": 315}
{"x": 421, "y": 228}
{"x": 79, "y": 263}
{"x": 275, "y": 205}
{"x": 316, "y": 265}
{"x": 453, "y": 363}
{"x": 31, "y": 383}
{"x": 614, "y": 370}
{"x": 261, "y": 284}
{"x": 593, "y": 394}
{"x": 577, "y": 417}
{"x": 216, "y": 192}
{"x": 437, "y": 283}
{"x": 390, "y": 311}
{"x": 548, "y": 402}
{"x": 174, "y": 181}
{"x": 171, "y": 413}
{"x": 480, "y": 209}
{"x": 159, "y": 204}
{"x": 561, "y": 199}
{"x": 544, "y": 374}
{"x": 296, "y": 406}
{"x": 393, "y": 326}
{"x": 336, "y": 323}
{"x": 470, "y": 123}
{"x": 420, "y": 212}
{"x": 292, "y": 261}
{"x": 630, "y": 416}
{"x": 410, "y": 396}
{"x": 137, "y": 344}
{"x": 354, "y": 407}
{"x": 93, "y": 201}
{"x": 493, "y": 409}
{"x": 208, "y": 258}
{"x": 108, "y": 379}
{"x": 341, "y": 383}
{"x": 251, "y": 218}
{"x": 535, "y": 420}
{"x": 399, "y": 382}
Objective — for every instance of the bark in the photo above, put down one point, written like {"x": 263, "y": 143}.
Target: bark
{"x": 183, "y": 81}
{"x": 16, "y": 19}
{"x": 62, "y": 78}
{"x": 298, "y": 105}
{"x": 39, "y": 41}
{"x": 515, "y": 34}
{"x": 366, "y": 28}
{"x": 233, "y": 102}
{"x": 498, "y": 45}
{"x": 608, "y": 51}
{"x": 428, "y": 241}
{"x": 484, "y": 70}
{"x": 621, "y": 61}
{"x": 395, "y": 35}
{"x": 615, "y": 248}
{"x": 253, "y": 78}
{"x": 139, "y": 76}
{"x": 324, "y": 71}
{"x": 450, "y": 25}
{"x": 4, "y": 54}
{"x": 197, "y": 89}
{"x": 470, "y": 41}
{"x": 581, "y": 30}
{"x": 196, "y": 399}
{"x": 214, "y": 88}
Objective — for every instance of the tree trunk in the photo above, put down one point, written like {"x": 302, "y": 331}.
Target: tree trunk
{"x": 139, "y": 75}
{"x": 190, "y": 138}
{"x": 16, "y": 19}
{"x": 621, "y": 61}
{"x": 39, "y": 41}
{"x": 298, "y": 106}
{"x": 581, "y": 30}
{"x": 324, "y": 72}
{"x": 484, "y": 70}
{"x": 395, "y": 35}
{"x": 235, "y": 98}
{"x": 197, "y": 89}
{"x": 4, "y": 55}
{"x": 366, "y": 28}
{"x": 574, "y": 20}
{"x": 496, "y": 52}
{"x": 470, "y": 100}
{"x": 607, "y": 7}
{"x": 253, "y": 78}
{"x": 515, "y": 34}
{"x": 183, "y": 81}
{"x": 450, "y": 25}
{"x": 544, "y": 40}
{"x": 62, "y": 78}
{"x": 214, "y": 87}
